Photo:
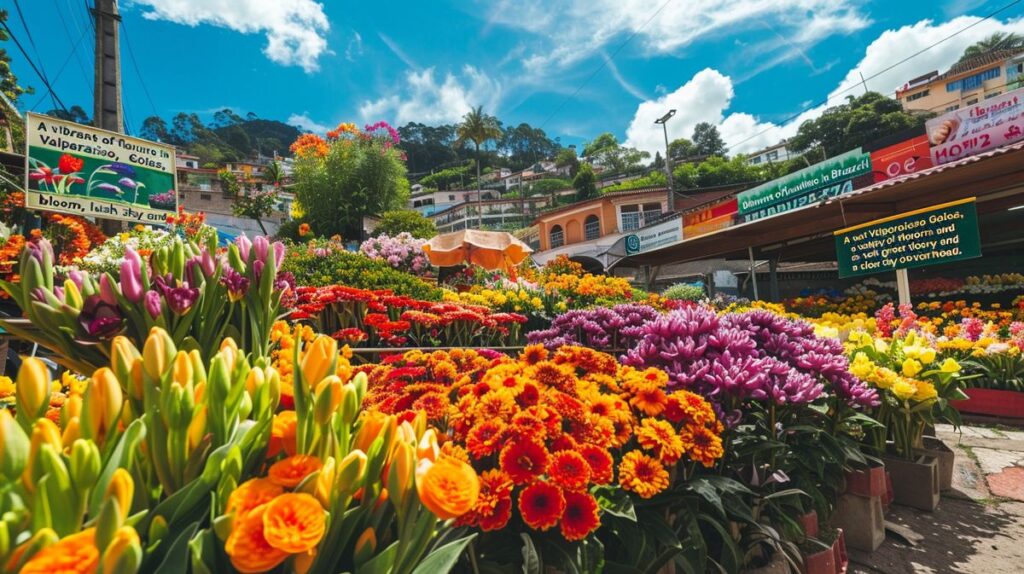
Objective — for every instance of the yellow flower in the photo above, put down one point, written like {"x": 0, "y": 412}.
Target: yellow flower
{"x": 928, "y": 356}
{"x": 904, "y": 389}
{"x": 925, "y": 391}
{"x": 950, "y": 366}
{"x": 911, "y": 367}
{"x": 881, "y": 346}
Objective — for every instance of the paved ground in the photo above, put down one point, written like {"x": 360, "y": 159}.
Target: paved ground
{"x": 979, "y": 525}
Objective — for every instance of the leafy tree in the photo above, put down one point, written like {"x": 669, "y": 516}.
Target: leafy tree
{"x": 354, "y": 178}
{"x": 566, "y": 157}
{"x": 681, "y": 148}
{"x": 548, "y": 185}
{"x": 8, "y": 81}
{"x": 226, "y": 117}
{"x": 707, "y": 141}
{"x": 997, "y": 41}
{"x": 585, "y": 183}
{"x": 255, "y": 204}
{"x": 716, "y": 170}
{"x": 74, "y": 114}
{"x": 479, "y": 128}
{"x": 229, "y": 183}
{"x": 155, "y": 128}
{"x": 427, "y": 147}
{"x": 406, "y": 220}
{"x": 451, "y": 178}
{"x": 652, "y": 179}
{"x": 605, "y": 150}
{"x": 524, "y": 145}
{"x": 860, "y": 120}
{"x": 659, "y": 162}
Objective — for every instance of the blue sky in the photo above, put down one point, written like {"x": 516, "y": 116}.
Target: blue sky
{"x": 748, "y": 66}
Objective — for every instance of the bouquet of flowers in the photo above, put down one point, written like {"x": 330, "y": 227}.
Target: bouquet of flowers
{"x": 403, "y": 252}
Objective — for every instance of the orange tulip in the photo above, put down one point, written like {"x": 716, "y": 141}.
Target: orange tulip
{"x": 449, "y": 487}
{"x": 319, "y": 359}
{"x": 247, "y": 545}
{"x": 122, "y": 488}
{"x": 251, "y": 494}
{"x": 74, "y": 553}
{"x": 282, "y": 434}
{"x": 294, "y": 522}
{"x": 289, "y": 472}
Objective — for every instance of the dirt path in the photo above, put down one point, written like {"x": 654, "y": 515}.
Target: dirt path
{"x": 979, "y": 525}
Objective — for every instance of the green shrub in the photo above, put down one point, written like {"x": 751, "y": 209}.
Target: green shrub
{"x": 684, "y": 292}
{"x": 318, "y": 264}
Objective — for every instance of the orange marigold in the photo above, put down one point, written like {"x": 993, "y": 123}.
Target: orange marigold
{"x": 533, "y": 354}
{"x": 600, "y": 462}
{"x": 649, "y": 399}
{"x": 71, "y": 554}
{"x": 250, "y": 494}
{"x": 580, "y": 517}
{"x": 289, "y": 472}
{"x": 659, "y": 436}
{"x": 294, "y": 522}
{"x": 642, "y": 474}
{"x": 702, "y": 445}
{"x": 569, "y": 470}
{"x": 247, "y": 546}
{"x": 485, "y": 438}
{"x": 541, "y": 505}
{"x": 449, "y": 487}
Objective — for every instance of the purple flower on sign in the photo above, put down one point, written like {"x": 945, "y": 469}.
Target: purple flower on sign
{"x": 120, "y": 169}
{"x": 127, "y": 182}
{"x": 109, "y": 187}
{"x": 99, "y": 319}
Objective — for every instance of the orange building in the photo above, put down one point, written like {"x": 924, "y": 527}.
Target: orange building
{"x": 613, "y": 213}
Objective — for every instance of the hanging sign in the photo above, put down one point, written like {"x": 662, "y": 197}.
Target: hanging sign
{"x": 810, "y": 185}
{"x": 656, "y": 236}
{"x": 929, "y": 236}
{"x": 82, "y": 170}
{"x": 989, "y": 124}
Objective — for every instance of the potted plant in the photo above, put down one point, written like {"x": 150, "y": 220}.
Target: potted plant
{"x": 860, "y": 512}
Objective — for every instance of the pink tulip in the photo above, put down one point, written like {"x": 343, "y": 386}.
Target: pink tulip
{"x": 107, "y": 292}
{"x": 153, "y": 304}
{"x": 131, "y": 276}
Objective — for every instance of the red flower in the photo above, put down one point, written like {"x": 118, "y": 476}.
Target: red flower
{"x": 499, "y": 517}
{"x": 69, "y": 164}
{"x": 541, "y": 505}
{"x": 580, "y": 517}
{"x": 524, "y": 460}
{"x": 569, "y": 470}
{"x": 485, "y": 438}
{"x": 600, "y": 462}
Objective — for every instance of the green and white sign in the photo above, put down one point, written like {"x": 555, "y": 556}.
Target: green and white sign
{"x": 929, "y": 236}
{"x": 809, "y": 185}
{"x": 91, "y": 172}
{"x": 654, "y": 237}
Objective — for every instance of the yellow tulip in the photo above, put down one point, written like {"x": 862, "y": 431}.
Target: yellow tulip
{"x": 124, "y": 552}
{"x": 101, "y": 405}
{"x": 319, "y": 360}
{"x": 925, "y": 391}
{"x": 904, "y": 389}
{"x": 72, "y": 432}
{"x": 427, "y": 449}
{"x": 121, "y": 488}
{"x": 911, "y": 367}
{"x": 122, "y": 356}
{"x": 157, "y": 353}
{"x": 400, "y": 474}
{"x": 181, "y": 369}
{"x": 228, "y": 345}
{"x": 950, "y": 366}
{"x": 32, "y": 389}
{"x": 43, "y": 432}
{"x": 366, "y": 545}
{"x": 72, "y": 296}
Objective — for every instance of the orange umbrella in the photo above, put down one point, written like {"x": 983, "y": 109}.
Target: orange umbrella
{"x": 491, "y": 250}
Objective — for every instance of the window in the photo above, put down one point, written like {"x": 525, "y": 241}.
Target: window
{"x": 972, "y": 101}
{"x": 557, "y": 237}
{"x": 772, "y": 155}
{"x": 755, "y": 160}
{"x": 630, "y": 217}
{"x": 451, "y": 197}
{"x": 971, "y": 82}
{"x": 951, "y": 108}
{"x": 918, "y": 95}
{"x": 591, "y": 228}
{"x": 205, "y": 196}
{"x": 993, "y": 94}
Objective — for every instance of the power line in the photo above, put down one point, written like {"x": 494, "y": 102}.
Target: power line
{"x": 74, "y": 45}
{"x": 60, "y": 70}
{"x": 875, "y": 75}
{"x": 32, "y": 64}
{"x": 604, "y": 62}
{"x": 135, "y": 64}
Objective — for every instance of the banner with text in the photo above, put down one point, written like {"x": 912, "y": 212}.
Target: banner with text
{"x": 809, "y": 185}
{"x": 654, "y": 237}
{"x": 908, "y": 156}
{"x": 989, "y": 124}
{"x": 929, "y": 236}
{"x": 91, "y": 172}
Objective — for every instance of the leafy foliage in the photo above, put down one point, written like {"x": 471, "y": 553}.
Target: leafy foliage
{"x": 449, "y": 178}
{"x": 406, "y": 221}
{"x": 606, "y": 151}
{"x": 707, "y": 141}
{"x": 859, "y": 121}
{"x": 228, "y": 137}
{"x": 996, "y": 41}
{"x": 255, "y": 204}
{"x": 652, "y": 179}
{"x": 319, "y": 266}
{"x": 585, "y": 183}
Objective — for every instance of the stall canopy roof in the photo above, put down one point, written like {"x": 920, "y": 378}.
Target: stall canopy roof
{"x": 996, "y": 178}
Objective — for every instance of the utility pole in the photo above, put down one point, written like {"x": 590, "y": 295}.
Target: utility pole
{"x": 108, "y": 114}
{"x": 663, "y": 120}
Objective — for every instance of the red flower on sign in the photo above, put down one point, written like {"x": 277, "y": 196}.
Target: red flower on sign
{"x": 70, "y": 164}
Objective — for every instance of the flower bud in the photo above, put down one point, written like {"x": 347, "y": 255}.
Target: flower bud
{"x": 351, "y": 470}
{"x": 131, "y": 276}
{"x": 122, "y": 355}
{"x": 14, "y": 447}
{"x": 44, "y": 432}
{"x": 427, "y": 449}
{"x": 229, "y": 347}
{"x": 328, "y": 397}
{"x": 136, "y": 381}
{"x": 101, "y": 405}
{"x": 32, "y": 390}
{"x": 86, "y": 464}
{"x": 366, "y": 545}
{"x": 198, "y": 366}
{"x": 181, "y": 369}
{"x": 324, "y": 487}
{"x": 400, "y": 474}
{"x": 72, "y": 432}
{"x": 372, "y": 424}
{"x": 122, "y": 488}
{"x": 320, "y": 359}
{"x": 123, "y": 553}
{"x": 72, "y": 296}
{"x": 157, "y": 354}
{"x": 254, "y": 380}
{"x": 349, "y": 404}
{"x": 197, "y": 428}
{"x": 72, "y": 409}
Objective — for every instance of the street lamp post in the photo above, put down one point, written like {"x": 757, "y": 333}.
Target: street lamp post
{"x": 663, "y": 120}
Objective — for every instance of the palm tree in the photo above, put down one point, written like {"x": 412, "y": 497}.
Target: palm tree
{"x": 273, "y": 173}
{"x": 479, "y": 128}
{"x": 997, "y": 41}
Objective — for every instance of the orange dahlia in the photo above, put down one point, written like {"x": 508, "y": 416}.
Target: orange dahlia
{"x": 569, "y": 470}
{"x": 541, "y": 505}
{"x": 69, "y": 555}
{"x": 642, "y": 474}
{"x": 533, "y": 354}
{"x": 649, "y": 399}
{"x": 448, "y": 488}
{"x": 600, "y": 462}
{"x": 580, "y": 517}
{"x": 659, "y": 436}
{"x": 289, "y": 472}
{"x": 294, "y": 522}
{"x": 524, "y": 460}
{"x": 250, "y": 494}
{"x": 247, "y": 546}
{"x": 494, "y": 505}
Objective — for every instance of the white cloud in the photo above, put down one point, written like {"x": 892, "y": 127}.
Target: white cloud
{"x": 584, "y": 27}
{"x": 425, "y": 99}
{"x": 354, "y": 48}
{"x": 708, "y": 94}
{"x": 295, "y": 29}
{"x": 304, "y": 122}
